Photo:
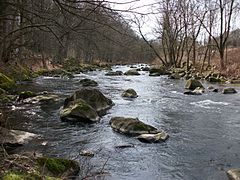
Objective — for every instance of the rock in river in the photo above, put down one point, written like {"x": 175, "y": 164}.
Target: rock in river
{"x": 192, "y": 84}
{"x": 14, "y": 138}
{"x": 129, "y": 93}
{"x": 233, "y": 174}
{"x": 131, "y": 126}
{"x": 132, "y": 72}
{"x": 88, "y": 82}
{"x": 93, "y": 97}
{"x": 79, "y": 111}
{"x": 114, "y": 73}
{"x": 229, "y": 91}
{"x": 153, "y": 138}
{"x": 42, "y": 99}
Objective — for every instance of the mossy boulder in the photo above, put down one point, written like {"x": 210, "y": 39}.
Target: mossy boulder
{"x": 132, "y": 72}
{"x": 79, "y": 111}
{"x": 192, "y": 84}
{"x": 58, "y": 167}
{"x": 88, "y": 82}
{"x": 229, "y": 91}
{"x": 93, "y": 97}
{"x": 131, "y": 126}
{"x": 158, "y": 71}
{"x": 233, "y": 174}
{"x": 129, "y": 93}
{"x": 114, "y": 73}
{"x": 26, "y": 94}
{"x": 6, "y": 82}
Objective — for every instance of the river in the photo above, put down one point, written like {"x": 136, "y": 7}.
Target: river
{"x": 204, "y": 130}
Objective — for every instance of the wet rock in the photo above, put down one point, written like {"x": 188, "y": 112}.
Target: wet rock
{"x": 11, "y": 139}
{"x": 233, "y": 174}
{"x": 129, "y": 93}
{"x": 214, "y": 79}
{"x": 191, "y": 93}
{"x": 79, "y": 111}
{"x": 158, "y": 71}
{"x": 42, "y": 99}
{"x": 192, "y": 84}
{"x": 132, "y": 72}
{"x": 88, "y": 82}
{"x": 26, "y": 94}
{"x": 93, "y": 97}
{"x": 145, "y": 68}
{"x": 86, "y": 153}
{"x": 229, "y": 91}
{"x": 235, "y": 81}
{"x": 6, "y": 82}
{"x": 131, "y": 126}
{"x": 123, "y": 146}
{"x": 114, "y": 73}
{"x": 153, "y": 138}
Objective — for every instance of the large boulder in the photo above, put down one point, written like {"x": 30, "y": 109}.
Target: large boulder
{"x": 233, "y": 174}
{"x": 131, "y": 126}
{"x": 153, "y": 138}
{"x": 93, "y": 97}
{"x": 6, "y": 82}
{"x": 229, "y": 91}
{"x": 11, "y": 139}
{"x": 88, "y": 82}
{"x": 158, "y": 71}
{"x": 114, "y": 73}
{"x": 192, "y": 84}
{"x": 129, "y": 93}
{"x": 79, "y": 111}
{"x": 132, "y": 72}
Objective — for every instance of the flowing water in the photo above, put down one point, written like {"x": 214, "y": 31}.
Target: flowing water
{"x": 204, "y": 130}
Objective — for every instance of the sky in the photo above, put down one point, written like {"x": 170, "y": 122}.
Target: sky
{"x": 138, "y": 6}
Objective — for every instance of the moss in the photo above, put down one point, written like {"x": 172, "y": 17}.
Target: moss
{"x": 25, "y": 176}
{"x": 21, "y": 176}
{"x": 56, "y": 166}
{"x": 2, "y": 91}
{"x": 6, "y": 82}
{"x": 26, "y": 94}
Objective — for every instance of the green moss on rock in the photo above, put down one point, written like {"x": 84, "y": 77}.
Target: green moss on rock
{"x": 6, "y": 82}
{"x": 57, "y": 166}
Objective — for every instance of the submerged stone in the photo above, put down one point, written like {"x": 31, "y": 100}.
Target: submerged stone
{"x": 129, "y": 93}
{"x": 88, "y": 82}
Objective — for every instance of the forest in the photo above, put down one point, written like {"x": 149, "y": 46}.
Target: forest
{"x": 81, "y": 81}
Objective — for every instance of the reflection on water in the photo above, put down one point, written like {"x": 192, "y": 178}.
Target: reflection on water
{"x": 204, "y": 130}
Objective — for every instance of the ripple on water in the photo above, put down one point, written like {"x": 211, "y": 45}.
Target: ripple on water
{"x": 209, "y": 104}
